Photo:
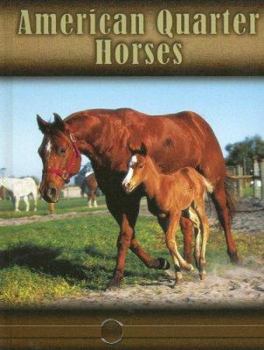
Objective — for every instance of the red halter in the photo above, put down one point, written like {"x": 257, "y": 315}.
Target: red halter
{"x": 69, "y": 171}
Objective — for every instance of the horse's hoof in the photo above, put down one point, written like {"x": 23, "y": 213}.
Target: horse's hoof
{"x": 190, "y": 268}
{"x": 202, "y": 275}
{"x": 178, "y": 277}
{"x": 114, "y": 284}
{"x": 163, "y": 264}
{"x": 234, "y": 258}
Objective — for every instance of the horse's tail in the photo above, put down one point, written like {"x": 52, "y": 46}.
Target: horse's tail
{"x": 208, "y": 185}
{"x": 230, "y": 197}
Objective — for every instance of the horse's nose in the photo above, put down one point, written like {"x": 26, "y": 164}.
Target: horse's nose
{"x": 126, "y": 186}
{"x": 52, "y": 194}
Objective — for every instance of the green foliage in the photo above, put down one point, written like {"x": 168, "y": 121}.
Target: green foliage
{"x": 243, "y": 152}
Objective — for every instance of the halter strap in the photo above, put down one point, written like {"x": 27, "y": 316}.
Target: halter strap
{"x": 67, "y": 172}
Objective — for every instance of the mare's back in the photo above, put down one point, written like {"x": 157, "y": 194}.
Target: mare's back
{"x": 178, "y": 140}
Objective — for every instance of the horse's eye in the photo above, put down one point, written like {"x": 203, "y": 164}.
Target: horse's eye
{"x": 61, "y": 151}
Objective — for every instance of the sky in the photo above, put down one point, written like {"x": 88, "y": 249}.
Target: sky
{"x": 234, "y": 107}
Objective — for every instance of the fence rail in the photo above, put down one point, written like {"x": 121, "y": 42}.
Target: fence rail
{"x": 248, "y": 184}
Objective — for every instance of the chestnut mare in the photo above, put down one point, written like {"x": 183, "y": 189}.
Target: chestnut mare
{"x": 91, "y": 185}
{"x": 170, "y": 196}
{"x": 174, "y": 141}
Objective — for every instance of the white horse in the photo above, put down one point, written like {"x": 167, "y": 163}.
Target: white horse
{"x": 21, "y": 189}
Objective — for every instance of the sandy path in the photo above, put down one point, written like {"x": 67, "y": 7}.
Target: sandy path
{"x": 234, "y": 286}
{"x": 52, "y": 217}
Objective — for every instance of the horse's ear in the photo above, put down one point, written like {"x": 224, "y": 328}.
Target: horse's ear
{"x": 133, "y": 146}
{"x": 42, "y": 124}
{"x": 143, "y": 149}
{"x": 58, "y": 122}
{"x": 136, "y": 148}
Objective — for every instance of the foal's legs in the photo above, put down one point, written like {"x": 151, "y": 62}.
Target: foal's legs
{"x": 187, "y": 231}
{"x": 197, "y": 230}
{"x": 201, "y": 228}
{"x": 203, "y": 250}
{"x": 169, "y": 225}
{"x": 205, "y": 236}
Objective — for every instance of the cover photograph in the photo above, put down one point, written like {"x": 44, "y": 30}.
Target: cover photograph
{"x": 131, "y": 175}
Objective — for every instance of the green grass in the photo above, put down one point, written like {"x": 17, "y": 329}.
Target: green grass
{"x": 63, "y": 206}
{"x": 248, "y": 192}
{"x": 41, "y": 262}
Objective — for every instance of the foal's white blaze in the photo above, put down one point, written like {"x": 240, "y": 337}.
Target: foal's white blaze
{"x": 130, "y": 172}
{"x": 48, "y": 147}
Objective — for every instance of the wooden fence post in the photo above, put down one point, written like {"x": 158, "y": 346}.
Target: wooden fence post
{"x": 256, "y": 177}
{"x": 240, "y": 181}
{"x": 51, "y": 208}
{"x": 262, "y": 177}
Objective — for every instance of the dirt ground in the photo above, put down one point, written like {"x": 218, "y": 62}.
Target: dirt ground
{"x": 231, "y": 285}
{"x": 234, "y": 287}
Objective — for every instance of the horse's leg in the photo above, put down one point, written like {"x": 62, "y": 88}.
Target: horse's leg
{"x": 220, "y": 200}
{"x": 171, "y": 244}
{"x": 205, "y": 236}
{"x": 187, "y": 231}
{"x": 126, "y": 223}
{"x": 169, "y": 226}
{"x": 95, "y": 201}
{"x": 126, "y": 217}
{"x": 16, "y": 200}
{"x": 25, "y": 198}
{"x": 89, "y": 200}
{"x": 197, "y": 231}
{"x": 35, "y": 201}
{"x": 199, "y": 217}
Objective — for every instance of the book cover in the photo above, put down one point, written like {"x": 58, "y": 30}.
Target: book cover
{"x": 131, "y": 174}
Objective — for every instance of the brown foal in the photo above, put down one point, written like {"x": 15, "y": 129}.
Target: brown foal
{"x": 169, "y": 197}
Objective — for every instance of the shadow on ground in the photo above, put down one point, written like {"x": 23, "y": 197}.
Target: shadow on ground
{"x": 46, "y": 260}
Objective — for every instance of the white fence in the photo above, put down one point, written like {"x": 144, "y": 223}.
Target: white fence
{"x": 71, "y": 192}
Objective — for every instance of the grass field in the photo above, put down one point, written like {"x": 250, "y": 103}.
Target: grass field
{"x": 42, "y": 262}
{"x": 63, "y": 206}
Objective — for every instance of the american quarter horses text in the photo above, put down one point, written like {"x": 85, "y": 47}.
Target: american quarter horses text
{"x": 174, "y": 141}
{"x": 170, "y": 196}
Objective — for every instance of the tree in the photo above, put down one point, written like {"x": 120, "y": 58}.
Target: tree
{"x": 243, "y": 152}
